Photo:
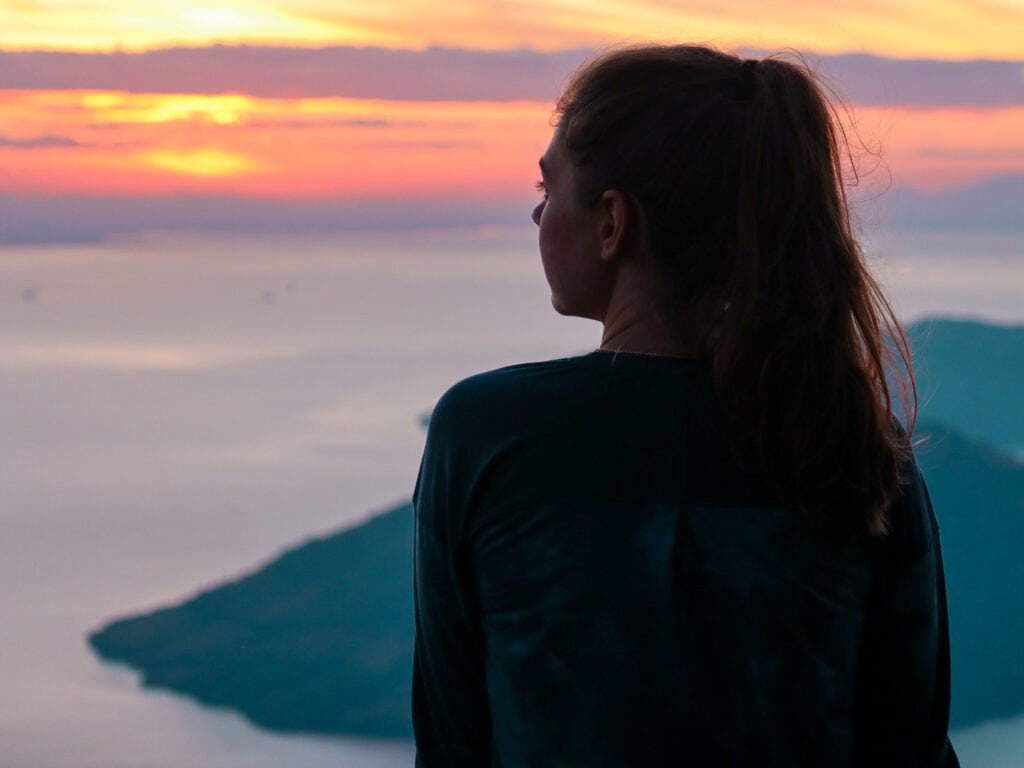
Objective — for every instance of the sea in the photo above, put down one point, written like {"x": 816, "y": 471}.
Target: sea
{"x": 177, "y": 409}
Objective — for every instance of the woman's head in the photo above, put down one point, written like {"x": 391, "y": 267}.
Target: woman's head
{"x": 735, "y": 170}
{"x": 727, "y": 160}
{"x": 581, "y": 282}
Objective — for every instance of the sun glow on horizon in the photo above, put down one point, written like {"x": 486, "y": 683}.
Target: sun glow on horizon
{"x": 121, "y": 107}
{"x": 97, "y": 142}
{"x": 122, "y": 143}
{"x": 201, "y": 162}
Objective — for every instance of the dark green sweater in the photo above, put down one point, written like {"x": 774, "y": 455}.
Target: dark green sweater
{"x": 598, "y": 584}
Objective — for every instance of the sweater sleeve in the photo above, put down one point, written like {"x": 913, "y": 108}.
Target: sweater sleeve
{"x": 451, "y": 717}
{"x": 903, "y": 702}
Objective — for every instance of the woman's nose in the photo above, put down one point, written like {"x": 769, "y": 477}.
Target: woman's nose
{"x": 535, "y": 214}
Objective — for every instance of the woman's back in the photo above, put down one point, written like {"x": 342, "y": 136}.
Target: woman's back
{"x": 706, "y": 543}
{"x": 607, "y": 587}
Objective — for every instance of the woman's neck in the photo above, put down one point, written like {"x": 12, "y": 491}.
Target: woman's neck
{"x": 633, "y": 322}
{"x": 639, "y": 341}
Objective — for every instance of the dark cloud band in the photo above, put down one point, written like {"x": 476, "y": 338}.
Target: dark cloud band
{"x": 448, "y": 74}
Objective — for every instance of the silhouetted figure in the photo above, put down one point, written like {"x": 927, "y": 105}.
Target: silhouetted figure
{"x": 705, "y": 543}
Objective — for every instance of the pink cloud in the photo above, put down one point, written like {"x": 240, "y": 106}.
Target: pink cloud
{"x": 39, "y": 142}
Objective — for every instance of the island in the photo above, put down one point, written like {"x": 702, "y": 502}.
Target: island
{"x": 320, "y": 639}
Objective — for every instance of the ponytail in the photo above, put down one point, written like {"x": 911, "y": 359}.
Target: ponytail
{"x": 737, "y": 168}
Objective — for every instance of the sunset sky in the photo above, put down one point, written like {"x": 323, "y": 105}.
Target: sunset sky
{"x": 328, "y": 100}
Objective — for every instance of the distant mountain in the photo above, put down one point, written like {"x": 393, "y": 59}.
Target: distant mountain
{"x": 320, "y": 640}
{"x": 995, "y": 204}
{"x": 95, "y": 219}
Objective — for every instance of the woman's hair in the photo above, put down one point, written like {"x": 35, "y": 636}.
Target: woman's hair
{"x": 736, "y": 167}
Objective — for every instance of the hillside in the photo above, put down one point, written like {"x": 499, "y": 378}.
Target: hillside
{"x": 320, "y": 640}
{"x": 978, "y": 494}
{"x": 971, "y": 376}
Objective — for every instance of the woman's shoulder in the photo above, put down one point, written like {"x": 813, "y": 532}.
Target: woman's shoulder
{"x": 527, "y": 402}
{"x": 511, "y": 387}
{"x": 913, "y": 528}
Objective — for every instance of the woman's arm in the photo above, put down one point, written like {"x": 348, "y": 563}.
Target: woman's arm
{"x": 902, "y": 714}
{"x": 451, "y": 716}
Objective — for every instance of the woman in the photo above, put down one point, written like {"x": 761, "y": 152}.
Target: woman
{"x": 705, "y": 543}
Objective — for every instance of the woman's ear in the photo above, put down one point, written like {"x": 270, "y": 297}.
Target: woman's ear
{"x": 615, "y": 224}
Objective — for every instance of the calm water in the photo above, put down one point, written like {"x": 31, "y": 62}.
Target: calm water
{"x": 174, "y": 411}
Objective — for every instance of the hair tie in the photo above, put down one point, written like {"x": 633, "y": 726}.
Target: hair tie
{"x": 748, "y": 79}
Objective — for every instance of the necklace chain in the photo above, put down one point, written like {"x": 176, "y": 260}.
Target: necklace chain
{"x": 615, "y": 351}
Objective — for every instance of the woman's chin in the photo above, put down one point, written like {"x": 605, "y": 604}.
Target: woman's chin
{"x": 567, "y": 309}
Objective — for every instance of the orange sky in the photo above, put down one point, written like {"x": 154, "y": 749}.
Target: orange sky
{"x": 942, "y": 148}
{"x": 110, "y": 142}
{"x": 350, "y": 148}
{"x": 955, "y": 29}
{"x": 341, "y": 148}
